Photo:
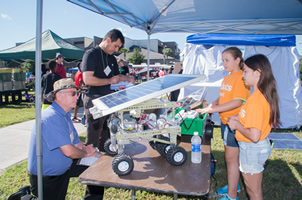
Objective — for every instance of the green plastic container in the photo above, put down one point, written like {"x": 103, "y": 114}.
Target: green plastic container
{"x": 5, "y": 74}
{"x": 6, "y": 79}
{"x": 19, "y": 74}
{"x": 190, "y": 125}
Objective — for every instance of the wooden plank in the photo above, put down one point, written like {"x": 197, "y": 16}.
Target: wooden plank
{"x": 152, "y": 172}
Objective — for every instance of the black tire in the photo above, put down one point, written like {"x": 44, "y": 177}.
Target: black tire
{"x": 122, "y": 164}
{"x": 162, "y": 147}
{"x": 176, "y": 156}
{"x": 108, "y": 148}
{"x": 208, "y": 131}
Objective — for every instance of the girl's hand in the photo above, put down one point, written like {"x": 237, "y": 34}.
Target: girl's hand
{"x": 233, "y": 121}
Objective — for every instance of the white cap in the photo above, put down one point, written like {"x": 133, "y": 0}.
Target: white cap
{"x": 195, "y": 133}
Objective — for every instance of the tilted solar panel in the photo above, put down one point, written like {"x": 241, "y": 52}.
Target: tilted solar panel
{"x": 143, "y": 92}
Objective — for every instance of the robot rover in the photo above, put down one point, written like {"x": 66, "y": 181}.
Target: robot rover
{"x": 135, "y": 116}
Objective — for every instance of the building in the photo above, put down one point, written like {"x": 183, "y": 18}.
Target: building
{"x": 156, "y": 48}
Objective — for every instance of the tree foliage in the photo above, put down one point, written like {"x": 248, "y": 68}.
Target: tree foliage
{"x": 124, "y": 51}
{"x": 136, "y": 57}
{"x": 29, "y": 66}
{"x": 167, "y": 52}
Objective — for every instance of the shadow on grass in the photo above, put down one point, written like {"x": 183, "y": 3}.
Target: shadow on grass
{"x": 280, "y": 182}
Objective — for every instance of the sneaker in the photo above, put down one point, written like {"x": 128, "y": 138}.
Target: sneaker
{"x": 76, "y": 119}
{"x": 224, "y": 189}
{"x": 226, "y": 197}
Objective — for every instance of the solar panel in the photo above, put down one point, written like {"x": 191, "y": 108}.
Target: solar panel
{"x": 285, "y": 141}
{"x": 143, "y": 92}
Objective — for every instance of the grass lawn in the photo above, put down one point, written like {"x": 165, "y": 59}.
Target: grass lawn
{"x": 282, "y": 178}
{"x": 16, "y": 113}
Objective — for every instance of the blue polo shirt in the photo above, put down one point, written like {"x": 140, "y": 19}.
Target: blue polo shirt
{"x": 57, "y": 131}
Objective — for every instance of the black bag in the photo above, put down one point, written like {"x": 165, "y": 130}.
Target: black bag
{"x": 22, "y": 194}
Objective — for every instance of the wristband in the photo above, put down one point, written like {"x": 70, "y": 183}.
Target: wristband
{"x": 97, "y": 153}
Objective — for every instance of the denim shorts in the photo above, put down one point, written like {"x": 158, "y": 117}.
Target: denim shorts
{"x": 228, "y": 136}
{"x": 252, "y": 156}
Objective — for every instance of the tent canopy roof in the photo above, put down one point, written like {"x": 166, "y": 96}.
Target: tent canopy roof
{"x": 51, "y": 44}
{"x": 237, "y": 39}
{"x": 199, "y": 16}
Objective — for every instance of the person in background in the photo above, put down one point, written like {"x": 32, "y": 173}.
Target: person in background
{"x": 123, "y": 68}
{"x": 48, "y": 81}
{"x": 233, "y": 94}
{"x": 78, "y": 81}
{"x": 100, "y": 70}
{"x": 43, "y": 70}
{"x": 162, "y": 72}
{"x": 61, "y": 146}
{"x": 174, "y": 94}
{"x": 255, "y": 121}
{"x": 61, "y": 69}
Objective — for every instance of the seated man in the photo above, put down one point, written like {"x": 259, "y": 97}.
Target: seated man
{"x": 61, "y": 146}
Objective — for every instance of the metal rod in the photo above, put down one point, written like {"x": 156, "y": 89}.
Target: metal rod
{"x": 38, "y": 57}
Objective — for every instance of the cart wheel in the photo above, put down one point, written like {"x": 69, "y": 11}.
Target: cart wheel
{"x": 176, "y": 155}
{"x": 162, "y": 148}
{"x": 208, "y": 131}
{"x": 109, "y": 148}
{"x": 122, "y": 164}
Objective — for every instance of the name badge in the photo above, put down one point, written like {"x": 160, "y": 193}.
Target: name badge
{"x": 107, "y": 70}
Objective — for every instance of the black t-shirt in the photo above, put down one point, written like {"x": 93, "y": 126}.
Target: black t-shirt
{"x": 47, "y": 84}
{"x": 103, "y": 66}
{"x": 124, "y": 70}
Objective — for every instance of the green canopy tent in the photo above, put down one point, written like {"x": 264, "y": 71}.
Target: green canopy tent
{"x": 51, "y": 44}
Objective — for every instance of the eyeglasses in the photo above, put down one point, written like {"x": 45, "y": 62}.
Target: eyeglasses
{"x": 72, "y": 93}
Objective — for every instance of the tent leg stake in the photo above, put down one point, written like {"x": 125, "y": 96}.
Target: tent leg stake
{"x": 132, "y": 194}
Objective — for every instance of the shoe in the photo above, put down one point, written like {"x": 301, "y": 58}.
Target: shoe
{"x": 75, "y": 119}
{"x": 21, "y": 192}
{"x": 226, "y": 197}
{"x": 224, "y": 189}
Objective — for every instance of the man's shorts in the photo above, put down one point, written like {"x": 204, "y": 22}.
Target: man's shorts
{"x": 252, "y": 156}
{"x": 228, "y": 136}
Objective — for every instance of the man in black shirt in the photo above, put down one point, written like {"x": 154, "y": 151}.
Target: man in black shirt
{"x": 100, "y": 70}
{"x": 48, "y": 81}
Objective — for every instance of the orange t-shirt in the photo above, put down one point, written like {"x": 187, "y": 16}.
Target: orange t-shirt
{"x": 232, "y": 87}
{"x": 255, "y": 114}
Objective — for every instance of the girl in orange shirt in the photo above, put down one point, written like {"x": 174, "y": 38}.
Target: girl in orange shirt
{"x": 233, "y": 94}
{"x": 254, "y": 122}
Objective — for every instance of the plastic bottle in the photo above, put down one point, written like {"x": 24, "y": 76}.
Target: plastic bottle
{"x": 196, "y": 148}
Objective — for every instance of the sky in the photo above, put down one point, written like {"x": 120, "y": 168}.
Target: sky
{"x": 18, "y": 23}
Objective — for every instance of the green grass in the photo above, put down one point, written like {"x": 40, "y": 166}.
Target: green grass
{"x": 282, "y": 178}
{"x": 16, "y": 113}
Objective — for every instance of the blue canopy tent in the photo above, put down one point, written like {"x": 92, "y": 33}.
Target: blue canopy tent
{"x": 195, "y": 16}
{"x": 199, "y": 16}
{"x": 202, "y": 55}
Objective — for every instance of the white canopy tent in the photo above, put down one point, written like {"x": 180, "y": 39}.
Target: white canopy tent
{"x": 202, "y": 55}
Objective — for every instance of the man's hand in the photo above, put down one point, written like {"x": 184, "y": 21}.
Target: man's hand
{"x": 115, "y": 79}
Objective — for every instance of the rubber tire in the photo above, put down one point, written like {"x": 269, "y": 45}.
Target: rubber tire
{"x": 161, "y": 147}
{"x": 208, "y": 131}
{"x": 174, "y": 151}
{"x": 120, "y": 159}
{"x": 107, "y": 147}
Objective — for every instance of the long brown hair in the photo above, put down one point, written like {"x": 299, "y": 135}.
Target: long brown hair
{"x": 266, "y": 85}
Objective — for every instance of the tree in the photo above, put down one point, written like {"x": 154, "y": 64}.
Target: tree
{"x": 167, "y": 52}
{"x": 29, "y": 66}
{"x": 136, "y": 57}
{"x": 124, "y": 51}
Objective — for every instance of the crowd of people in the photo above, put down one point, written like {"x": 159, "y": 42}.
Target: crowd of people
{"x": 246, "y": 120}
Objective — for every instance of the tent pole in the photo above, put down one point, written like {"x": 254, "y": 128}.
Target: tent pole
{"x": 38, "y": 58}
{"x": 148, "y": 62}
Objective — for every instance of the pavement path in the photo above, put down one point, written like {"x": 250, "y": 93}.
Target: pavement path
{"x": 14, "y": 142}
